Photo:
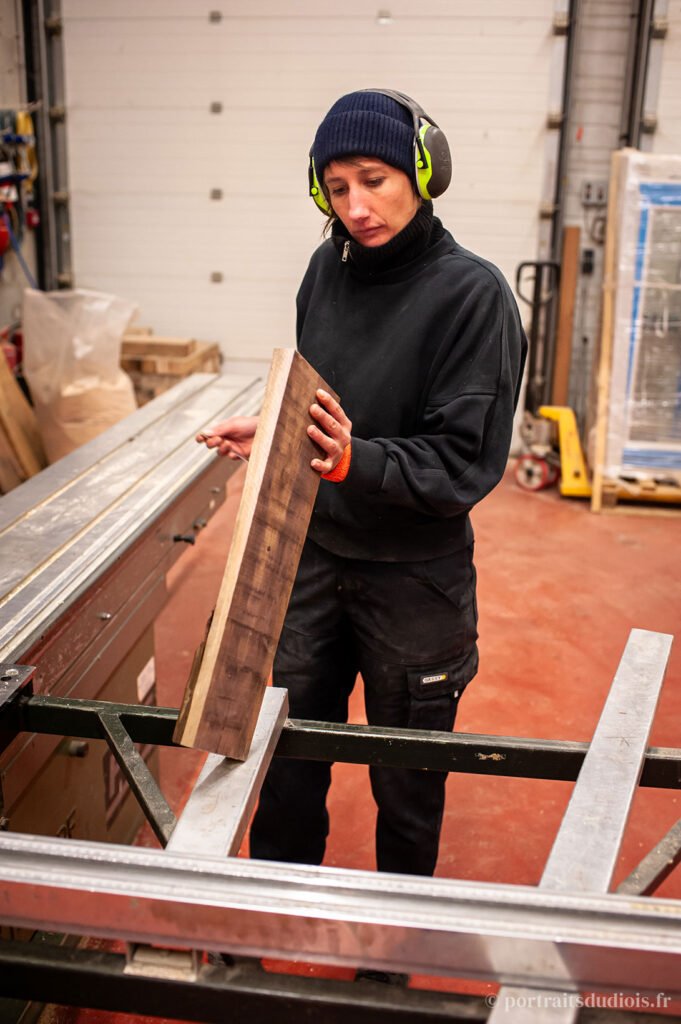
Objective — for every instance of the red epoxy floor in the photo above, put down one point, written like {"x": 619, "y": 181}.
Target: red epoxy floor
{"x": 559, "y": 590}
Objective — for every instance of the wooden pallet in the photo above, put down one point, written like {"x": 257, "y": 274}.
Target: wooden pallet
{"x": 153, "y": 372}
{"x": 136, "y": 348}
{"x": 641, "y": 497}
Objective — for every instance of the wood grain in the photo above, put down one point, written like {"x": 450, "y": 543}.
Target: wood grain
{"x": 204, "y": 357}
{"x": 617, "y": 171}
{"x": 139, "y": 346}
{"x": 19, "y": 424}
{"x": 569, "y": 272}
{"x": 11, "y": 473}
{"x": 223, "y": 696}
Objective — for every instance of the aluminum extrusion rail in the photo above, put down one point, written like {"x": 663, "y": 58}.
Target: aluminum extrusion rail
{"x": 515, "y": 934}
{"x": 63, "y": 528}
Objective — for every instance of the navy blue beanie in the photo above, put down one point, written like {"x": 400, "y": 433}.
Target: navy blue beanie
{"x": 366, "y": 124}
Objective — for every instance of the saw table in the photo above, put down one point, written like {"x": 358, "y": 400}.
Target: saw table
{"x": 84, "y": 549}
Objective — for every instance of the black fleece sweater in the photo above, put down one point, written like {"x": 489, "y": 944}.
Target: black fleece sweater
{"x": 422, "y": 340}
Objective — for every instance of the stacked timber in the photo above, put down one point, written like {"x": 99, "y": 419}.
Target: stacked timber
{"x": 156, "y": 363}
{"x": 21, "y": 449}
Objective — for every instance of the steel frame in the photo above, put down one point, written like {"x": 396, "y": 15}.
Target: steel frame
{"x": 469, "y": 753}
{"x": 518, "y": 935}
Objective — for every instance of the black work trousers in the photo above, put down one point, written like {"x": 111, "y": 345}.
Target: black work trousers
{"x": 410, "y": 630}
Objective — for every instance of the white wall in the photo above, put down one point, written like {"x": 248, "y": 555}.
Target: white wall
{"x": 667, "y": 137}
{"x": 144, "y": 150}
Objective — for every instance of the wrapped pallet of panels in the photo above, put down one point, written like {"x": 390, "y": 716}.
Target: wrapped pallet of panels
{"x": 637, "y": 443}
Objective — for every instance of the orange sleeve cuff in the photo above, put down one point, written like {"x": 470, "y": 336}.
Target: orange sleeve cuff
{"x": 343, "y": 467}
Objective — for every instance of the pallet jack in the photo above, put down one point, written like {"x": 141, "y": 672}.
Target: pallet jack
{"x": 555, "y": 454}
{"x": 551, "y": 451}
{"x": 545, "y": 462}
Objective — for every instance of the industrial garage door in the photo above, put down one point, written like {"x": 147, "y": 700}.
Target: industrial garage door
{"x": 188, "y": 133}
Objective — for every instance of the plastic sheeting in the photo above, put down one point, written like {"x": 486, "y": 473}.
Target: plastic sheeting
{"x": 644, "y": 409}
{"x": 72, "y": 343}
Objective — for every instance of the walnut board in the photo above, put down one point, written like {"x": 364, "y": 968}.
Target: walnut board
{"x": 228, "y": 679}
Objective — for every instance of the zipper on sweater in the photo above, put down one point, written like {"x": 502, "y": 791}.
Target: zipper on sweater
{"x": 346, "y": 252}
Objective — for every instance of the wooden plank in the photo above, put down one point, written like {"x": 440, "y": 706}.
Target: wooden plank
{"x": 569, "y": 271}
{"x": 150, "y": 385}
{"x": 224, "y": 693}
{"x": 19, "y": 423}
{"x": 138, "y": 331}
{"x": 140, "y": 347}
{"x": 617, "y": 169}
{"x": 11, "y": 473}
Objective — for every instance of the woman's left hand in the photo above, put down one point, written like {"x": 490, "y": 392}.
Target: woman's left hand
{"x": 332, "y": 431}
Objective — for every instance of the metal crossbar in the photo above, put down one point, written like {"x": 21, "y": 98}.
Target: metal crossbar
{"x": 139, "y": 778}
{"x": 584, "y": 853}
{"x": 470, "y": 753}
{"x": 514, "y": 934}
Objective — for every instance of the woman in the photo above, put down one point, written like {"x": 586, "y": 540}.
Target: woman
{"x": 423, "y": 342}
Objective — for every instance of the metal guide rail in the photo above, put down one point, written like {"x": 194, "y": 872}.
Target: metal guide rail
{"x": 545, "y": 945}
{"x": 62, "y": 529}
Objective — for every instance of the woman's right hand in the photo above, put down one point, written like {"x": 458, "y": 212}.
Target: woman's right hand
{"x": 232, "y": 437}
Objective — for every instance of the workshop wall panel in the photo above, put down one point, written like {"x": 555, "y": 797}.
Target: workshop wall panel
{"x": 600, "y": 71}
{"x": 667, "y": 137}
{"x": 146, "y": 152}
{"x": 598, "y": 103}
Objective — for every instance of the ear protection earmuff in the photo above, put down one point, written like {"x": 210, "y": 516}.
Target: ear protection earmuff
{"x": 316, "y": 190}
{"x": 432, "y": 158}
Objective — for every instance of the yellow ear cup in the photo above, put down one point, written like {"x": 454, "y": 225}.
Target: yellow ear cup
{"x": 424, "y": 169}
{"x": 316, "y": 190}
{"x": 433, "y": 161}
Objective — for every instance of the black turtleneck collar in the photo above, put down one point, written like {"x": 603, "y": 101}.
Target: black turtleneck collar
{"x": 422, "y": 231}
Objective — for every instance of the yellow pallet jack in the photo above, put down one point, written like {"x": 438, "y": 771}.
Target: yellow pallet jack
{"x": 543, "y": 465}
